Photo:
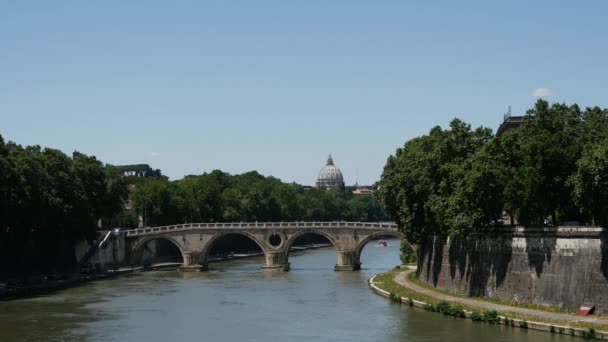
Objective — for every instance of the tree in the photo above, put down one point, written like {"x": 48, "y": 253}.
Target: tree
{"x": 454, "y": 181}
{"x": 422, "y": 184}
{"x": 591, "y": 183}
{"x": 550, "y": 147}
{"x": 48, "y": 200}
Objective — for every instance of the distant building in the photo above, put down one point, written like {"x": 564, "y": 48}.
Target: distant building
{"x": 363, "y": 190}
{"x": 510, "y": 123}
{"x": 139, "y": 170}
{"x": 330, "y": 176}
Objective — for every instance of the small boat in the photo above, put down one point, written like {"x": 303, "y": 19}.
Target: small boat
{"x": 382, "y": 243}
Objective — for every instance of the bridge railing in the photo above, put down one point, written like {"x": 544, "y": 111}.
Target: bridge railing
{"x": 263, "y": 225}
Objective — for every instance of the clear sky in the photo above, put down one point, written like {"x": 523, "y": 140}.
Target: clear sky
{"x": 275, "y": 86}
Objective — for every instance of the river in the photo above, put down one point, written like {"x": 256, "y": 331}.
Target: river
{"x": 236, "y": 301}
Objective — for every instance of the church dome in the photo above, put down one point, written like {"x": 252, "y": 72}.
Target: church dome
{"x": 330, "y": 176}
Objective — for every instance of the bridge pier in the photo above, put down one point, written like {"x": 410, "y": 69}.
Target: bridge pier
{"x": 192, "y": 263}
{"x": 347, "y": 261}
{"x": 276, "y": 260}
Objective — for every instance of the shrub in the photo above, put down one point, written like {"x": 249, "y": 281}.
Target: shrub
{"x": 457, "y": 311}
{"x": 491, "y": 316}
{"x": 429, "y": 307}
{"x": 523, "y": 324}
{"x": 410, "y": 302}
{"x": 488, "y": 316}
{"x": 443, "y": 307}
{"x": 393, "y": 297}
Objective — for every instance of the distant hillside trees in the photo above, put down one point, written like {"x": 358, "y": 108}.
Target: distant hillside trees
{"x": 456, "y": 180}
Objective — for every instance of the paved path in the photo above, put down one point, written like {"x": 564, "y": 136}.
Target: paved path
{"x": 402, "y": 279}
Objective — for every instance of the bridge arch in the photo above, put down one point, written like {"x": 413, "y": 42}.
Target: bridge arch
{"x": 361, "y": 244}
{"x": 138, "y": 247}
{"x": 208, "y": 246}
{"x": 290, "y": 241}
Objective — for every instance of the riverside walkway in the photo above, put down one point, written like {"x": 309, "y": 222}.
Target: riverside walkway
{"x": 402, "y": 279}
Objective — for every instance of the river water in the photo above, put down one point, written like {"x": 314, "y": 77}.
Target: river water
{"x": 236, "y": 301}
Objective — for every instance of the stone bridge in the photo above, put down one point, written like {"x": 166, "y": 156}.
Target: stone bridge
{"x": 195, "y": 240}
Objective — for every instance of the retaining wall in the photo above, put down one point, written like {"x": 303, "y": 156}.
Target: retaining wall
{"x": 111, "y": 255}
{"x": 565, "y": 267}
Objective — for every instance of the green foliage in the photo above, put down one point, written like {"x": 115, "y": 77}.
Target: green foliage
{"x": 48, "y": 200}
{"x": 491, "y": 316}
{"x": 430, "y": 307}
{"x": 220, "y": 197}
{"x": 408, "y": 255}
{"x": 456, "y": 311}
{"x": 454, "y": 181}
{"x": 591, "y": 182}
{"x": 410, "y": 302}
{"x": 394, "y": 298}
{"x": 476, "y": 316}
{"x": 524, "y": 324}
{"x": 420, "y": 185}
{"x": 487, "y": 316}
{"x": 445, "y": 308}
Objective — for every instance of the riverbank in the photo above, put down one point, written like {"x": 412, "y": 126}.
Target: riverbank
{"x": 43, "y": 285}
{"x": 398, "y": 286}
{"x": 19, "y": 289}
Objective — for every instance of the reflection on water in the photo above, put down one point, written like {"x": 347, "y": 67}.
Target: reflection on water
{"x": 237, "y": 301}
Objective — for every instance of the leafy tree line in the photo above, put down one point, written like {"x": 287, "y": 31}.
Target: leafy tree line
{"x": 221, "y": 197}
{"x": 453, "y": 181}
{"x": 48, "y": 200}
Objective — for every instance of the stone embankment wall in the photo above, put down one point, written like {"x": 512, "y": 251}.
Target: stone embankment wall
{"x": 565, "y": 267}
{"x": 113, "y": 254}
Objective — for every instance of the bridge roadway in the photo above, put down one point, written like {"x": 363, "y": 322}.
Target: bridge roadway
{"x": 195, "y": 240}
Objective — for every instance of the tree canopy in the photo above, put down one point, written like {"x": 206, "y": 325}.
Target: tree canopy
{"x": 454, "y": 181}
{"x": 221, "y": 197}
{"x": 48, "y": 200}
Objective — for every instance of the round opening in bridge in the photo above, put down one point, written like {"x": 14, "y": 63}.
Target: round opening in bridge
{"x": 275, "y": 240}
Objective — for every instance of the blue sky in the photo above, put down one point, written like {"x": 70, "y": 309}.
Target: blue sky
{"x": 275, "y": 86}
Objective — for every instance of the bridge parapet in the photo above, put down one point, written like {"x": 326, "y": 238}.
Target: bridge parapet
{"x": 391, "y": 226}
